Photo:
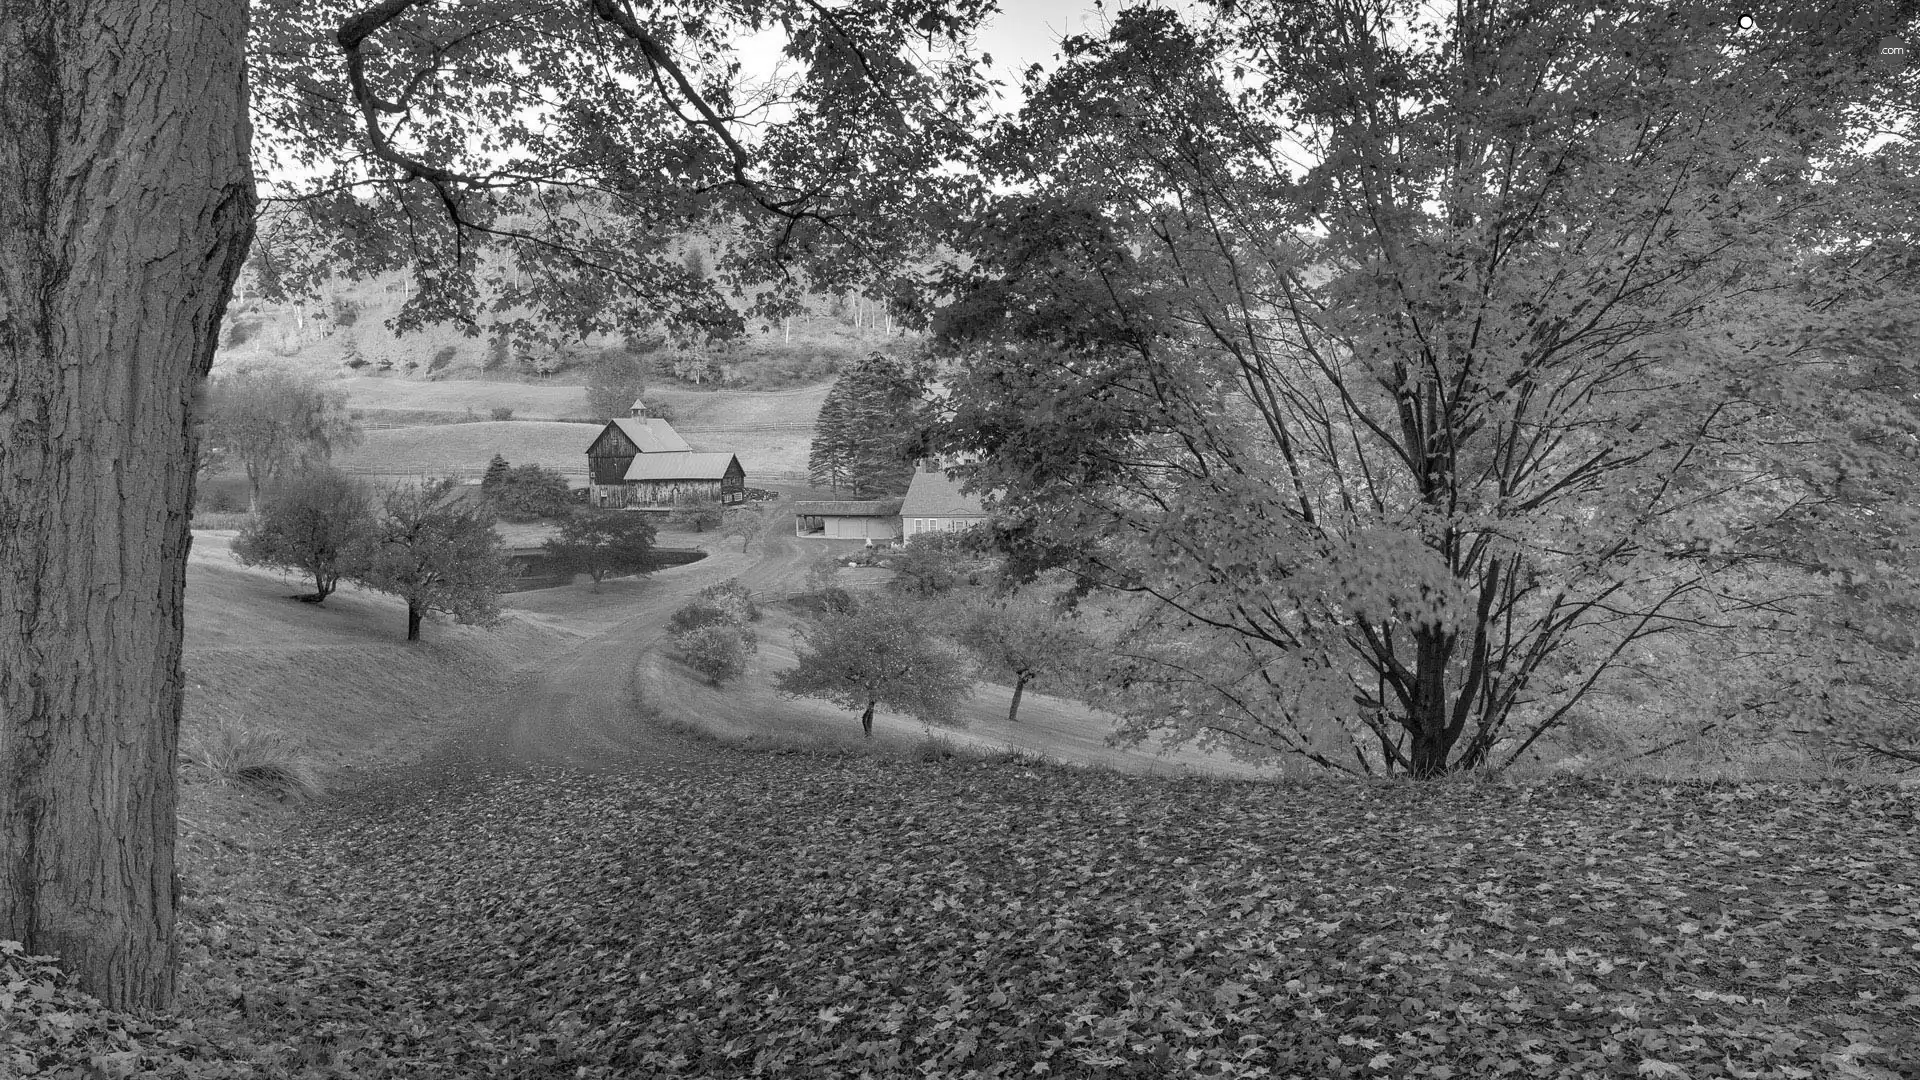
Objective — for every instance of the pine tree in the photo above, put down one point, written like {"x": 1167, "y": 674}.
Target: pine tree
{"x": 866, "y": 426}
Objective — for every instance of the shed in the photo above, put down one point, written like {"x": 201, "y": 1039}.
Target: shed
{"x": 847, "y": 519}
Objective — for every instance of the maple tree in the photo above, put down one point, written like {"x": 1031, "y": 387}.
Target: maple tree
{"x": 436, "y": 549}
{"x": 528, "y": 164}
{"x": 1023, "y": 636}
{"x": 598, "y": 544}
{"x": 315, "y": 522}
{"x": 881, "y": 652}
{"x": 1423, "y": 372}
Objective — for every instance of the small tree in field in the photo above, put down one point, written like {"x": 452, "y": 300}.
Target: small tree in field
{"x": 744, "y": 522}
{"x": 437, "y": 551}
{"x": 599, "y": 544}
{"x": 1021, "y": 637}
{"x": 878, "y": 654}
{"x": 316, "y": 522}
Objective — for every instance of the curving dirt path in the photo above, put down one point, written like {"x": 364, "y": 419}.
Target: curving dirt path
{"x": 577, "y": 712}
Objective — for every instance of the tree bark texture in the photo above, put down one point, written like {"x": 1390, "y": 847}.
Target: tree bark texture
{"x": 413, "y": 621}
{"x": 126, "y": 208}
{"x": 1020, "y": 681}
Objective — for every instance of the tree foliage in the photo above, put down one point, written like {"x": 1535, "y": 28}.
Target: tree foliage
{"x": 436, "y": 549}
{"x": 519, "y": 157}
{"x": 713, "y": 631}
{"x": 274, "y": 422}
{"x": 880, "y": 653}
{"x": 316, "y": 522}
{"x": 865, "y": 436}
{"x": 602, "y": 543}
{"x": 1023, "y": 637}
{"x": 1416, "y": 449}
{"x": 529, "y": 164}
{"x": 615, "y": 380}
{"x": 527, "y": 492}
{"x": 717, "y": 651}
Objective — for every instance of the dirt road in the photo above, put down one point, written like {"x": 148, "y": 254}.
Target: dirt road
{"x": 578, "y": 712}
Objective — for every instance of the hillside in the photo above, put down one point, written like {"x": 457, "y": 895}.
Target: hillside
{"x": 769, "y": 431}
{"x": 889, "y": 908}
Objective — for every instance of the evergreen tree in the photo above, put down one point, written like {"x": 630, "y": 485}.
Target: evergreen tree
{"x": 866, "y": 429}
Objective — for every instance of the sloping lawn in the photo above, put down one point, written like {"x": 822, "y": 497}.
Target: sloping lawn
{"x": 826, "y": 916}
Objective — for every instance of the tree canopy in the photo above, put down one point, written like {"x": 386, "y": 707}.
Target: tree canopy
{"x": 879, "y": 653}
{"x": 1430, "y": 375}
{"x": 275, "y": 421}
{"x": 435, "y": 548}
{"x": 317, "y": 522}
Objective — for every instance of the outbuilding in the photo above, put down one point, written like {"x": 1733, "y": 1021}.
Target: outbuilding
{"x": 847, "y": 519}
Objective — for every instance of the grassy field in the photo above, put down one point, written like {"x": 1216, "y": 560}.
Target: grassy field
{"x": 748, "y": 713}
{"x": 770, "y": 432}
{"x": 465, "y": 449}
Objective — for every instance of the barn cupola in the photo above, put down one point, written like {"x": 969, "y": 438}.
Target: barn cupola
{"x": 639, "y": 410}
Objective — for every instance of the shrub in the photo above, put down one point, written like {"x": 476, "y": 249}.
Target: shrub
{"x": 718, "y": 652}
{"x": 528, "y": 491}
{"x": 501, "y": 412}
{"x": 442, "y": 358}
{"x": 232, "y": 753}
{"x": 734, "y": 598}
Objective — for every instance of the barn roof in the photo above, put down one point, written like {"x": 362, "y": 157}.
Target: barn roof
{"x": 847, "y": 507}
{"x": 652, "y": 435}
{"x": 685, "y": 465}
{"x": 932, "y": 494}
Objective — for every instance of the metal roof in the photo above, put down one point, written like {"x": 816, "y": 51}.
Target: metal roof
{"x": 652, "y": 435}
{"x": 847, "y": 507}
{"x": 685, "y": 465}
{"x": 931, "y": 494}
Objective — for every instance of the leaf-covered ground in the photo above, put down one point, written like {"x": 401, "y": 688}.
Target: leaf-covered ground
{"x": 824, "y": 916}
{"x": 833, "y": 917}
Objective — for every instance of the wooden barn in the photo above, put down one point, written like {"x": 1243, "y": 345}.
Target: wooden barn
{"x": 847, "y": 519}
{"x": 614, "y": 449}
{"x": 641, "y": 462}
{"x": 654, "y": 481}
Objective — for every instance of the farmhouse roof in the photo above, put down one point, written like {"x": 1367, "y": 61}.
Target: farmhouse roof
{"x": 652, "y": 435}
{"x": 931, "y": 494}
{"x": 847, "y": 508}
{"x": 684, "y": 465}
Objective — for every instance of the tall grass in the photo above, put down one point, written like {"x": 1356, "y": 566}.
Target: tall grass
{"x": 228, "y": 751}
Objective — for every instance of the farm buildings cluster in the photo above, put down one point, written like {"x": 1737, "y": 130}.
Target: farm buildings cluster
{"x": 640, "y": 463}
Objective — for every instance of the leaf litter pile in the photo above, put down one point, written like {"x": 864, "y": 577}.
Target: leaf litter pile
{"x": 834, "y": 917}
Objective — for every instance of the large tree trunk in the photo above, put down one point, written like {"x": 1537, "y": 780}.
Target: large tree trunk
{"x": 866, "y": 720}
{"x": 1020, "y": 682}
{"x": 1432, "y": 734}
{"x": 413, "y": 621}
{"x": 126, "y": 207}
